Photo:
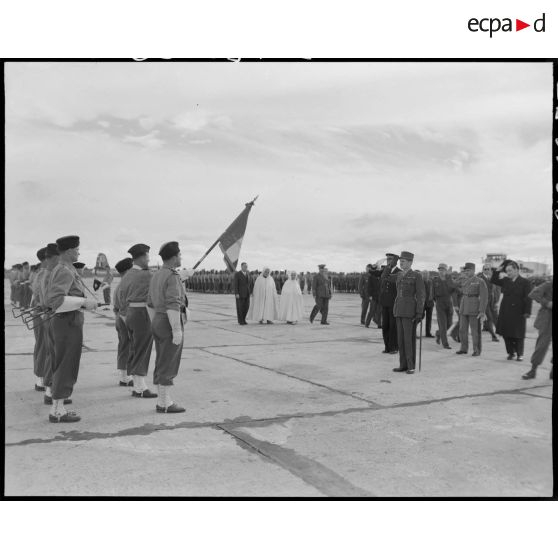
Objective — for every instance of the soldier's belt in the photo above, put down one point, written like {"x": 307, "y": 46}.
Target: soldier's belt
{"x": 137, "y": 305}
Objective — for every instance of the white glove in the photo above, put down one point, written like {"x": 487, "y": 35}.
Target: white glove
{"x": 174, "y": 320}
{"x": 90, "y": 304}
{"x": 185, "y": 273}
{"x": 151, "y": 312}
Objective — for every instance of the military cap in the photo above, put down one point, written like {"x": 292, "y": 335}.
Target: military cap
{"x": 321, "y": 266}
{"x": 407, "y": 256}
{"x": 469, "y": 265}
{"x": 124, "y": 265}
{"x": 51, "y": 250}
{"x": 41, "y": 254}
{"x": 67, "y": 242}
{"x": 390, "y": 255}
{"x": 138, "y": 250}
{"x": 443, "y": 266}
{"x": 24, "y": 263}
{"x": 169, "y": 249}
{"x": 79, "y": 265}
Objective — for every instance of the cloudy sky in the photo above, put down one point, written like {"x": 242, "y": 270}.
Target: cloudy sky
{"x": 350, "y": 160}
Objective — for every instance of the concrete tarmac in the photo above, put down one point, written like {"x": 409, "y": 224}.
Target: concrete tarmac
{"x": 284, "y": 410}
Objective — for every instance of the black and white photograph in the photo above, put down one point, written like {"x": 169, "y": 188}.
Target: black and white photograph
{"x": 278, "y": 279}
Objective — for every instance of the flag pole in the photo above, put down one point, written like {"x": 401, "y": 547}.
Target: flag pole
{"x": 217, "y": 241}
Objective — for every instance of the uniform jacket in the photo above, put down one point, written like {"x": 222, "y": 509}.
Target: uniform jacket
{"x": 493, "y": 290}
{"x": 363, "y": 284}
{"x": 474, "y": 296}
{"x": 166, "y": 291}
{"x": 321, "y": 287}
{"x": 543, "y": 295}
{"x": 410, "y": 297}
{"x": 134, "y": 287}
{"x": 388, "y": 290}
{"x": 373, "y": 287}
{"x": 63, "y": 281}
{"x": 515, "y": 303}
{"x": 444, "y": 291}
{"x": 242, "y": 285}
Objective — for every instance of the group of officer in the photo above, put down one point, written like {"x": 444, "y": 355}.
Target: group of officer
{"x": 150, "y": 308}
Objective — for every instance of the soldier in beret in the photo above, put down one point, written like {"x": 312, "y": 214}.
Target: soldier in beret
{"x": 123, "y": 355}
{"x": 132, "y": 310}
{"x": 39, "y": 329}
{"x": 472, "y": 310}
{"x": 407, "y": 309}
{"x": 51, "y": 261}
{"x": 166, "y": 304}
{"x": 66, "y": 297}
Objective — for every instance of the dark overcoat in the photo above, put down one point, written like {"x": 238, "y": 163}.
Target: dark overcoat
{"x": 515, "y": 303}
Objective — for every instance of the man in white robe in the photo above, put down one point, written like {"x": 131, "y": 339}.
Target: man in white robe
{"x": 264, "y": 306}
{"x": 291, "y": 306}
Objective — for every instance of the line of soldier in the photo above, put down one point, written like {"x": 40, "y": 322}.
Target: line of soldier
{"x": 392, "y": 296}
{"x": 150, "y": 308}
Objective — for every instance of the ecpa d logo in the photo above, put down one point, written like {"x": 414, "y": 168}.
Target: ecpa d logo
{"x": 493, "y": 25}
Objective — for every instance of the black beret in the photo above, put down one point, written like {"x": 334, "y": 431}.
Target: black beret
{"x": 389, "y": 255}
{"x": 124, "y": 265}
{"x": 24, "y": 263}
{"x": 168, "y": 250}
{"x": 138, "y": 250}
{"x": 67, "y": 242}
{"x": 51, "y": 250}
{"x": 41, "y": 254}
{"x": 79, "y": 265}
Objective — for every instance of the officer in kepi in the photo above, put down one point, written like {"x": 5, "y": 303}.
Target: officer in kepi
{"x": 407, "y": 309}
{"x": 166, "y": 305}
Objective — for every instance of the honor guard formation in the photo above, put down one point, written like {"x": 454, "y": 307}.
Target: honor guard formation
{"x": 151, "y": 308}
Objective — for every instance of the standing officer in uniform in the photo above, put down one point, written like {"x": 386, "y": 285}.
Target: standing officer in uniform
{"x": 363, "y": 292}
{"x": 543, "y": 322}
{"x": 443, "y": 292}
{"x": 51, "y": 260}
{"x": 407, "y": 309}
{"x": 65, "y": 296}
{"x": 387, "y": 299}
{"x": 321, "y": 289}
{"x": 242, "y": 285}
{"x": 472, "y": 310}
{"x": 123, "y": 354}
{"x": 166, "y": 306}
{"x": 133, "y": 301}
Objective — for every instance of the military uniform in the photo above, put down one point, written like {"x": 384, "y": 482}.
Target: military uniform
{"x": 40, "y": 351}
{"x": 363, "y": 292}
{"x": 123, "y": 355}
{"x": 167, "y": 302}
{"x": 407, "y": 309}
{"x": 321, "y": 289}
{"x": 388, "y": 277}
{"x": 443, "y": 294}
{"x": 473, "y": 302}
{"x": 132, "y": 308}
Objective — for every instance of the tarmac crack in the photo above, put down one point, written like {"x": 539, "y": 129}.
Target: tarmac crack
{"x": 317, "y": 384}
{"x": 313, "y": 473}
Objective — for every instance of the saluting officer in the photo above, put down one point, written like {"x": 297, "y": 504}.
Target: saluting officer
{"x": 166, "y": 303}
{"x": 124, "y": 353}
{"x": 133, "y": 301}
{"x": 66, "y": 297}
{"x": 472, "y": 310}
{"x": 407, "y": 309}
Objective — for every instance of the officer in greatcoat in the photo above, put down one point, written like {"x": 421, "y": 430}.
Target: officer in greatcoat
{"x": 166, "y": 303}
{"x": 407, "y": 309}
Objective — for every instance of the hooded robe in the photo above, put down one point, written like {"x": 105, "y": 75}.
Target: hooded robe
{"x": 264, "y": 305}
{"x": 291, "y": 307}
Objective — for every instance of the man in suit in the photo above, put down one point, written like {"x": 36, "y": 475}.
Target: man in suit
{"x": 408, "y": 310}
{"x": 472, "y": 310}
{"x": 321, "y": 289}
{"x": 242, "y": 286}
{"x": 387, "y": 299}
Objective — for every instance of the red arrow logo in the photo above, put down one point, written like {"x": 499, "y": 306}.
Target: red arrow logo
{"x": 519, "y": 25}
